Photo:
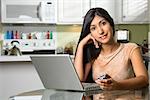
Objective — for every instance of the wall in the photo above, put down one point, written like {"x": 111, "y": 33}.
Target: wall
{"x": 138, "y": 32}
{"x": 0, "y": 31}
{"x": 67, "y": 33}
{"x": 0, "y": 37}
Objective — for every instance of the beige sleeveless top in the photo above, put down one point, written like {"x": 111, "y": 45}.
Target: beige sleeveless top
{"x": 116, "y": 64}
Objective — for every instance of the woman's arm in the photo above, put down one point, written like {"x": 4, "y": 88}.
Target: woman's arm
{"x": 141, "y": 74}
{"x": 78, "y": 61}
{"x": 140, "y": 80}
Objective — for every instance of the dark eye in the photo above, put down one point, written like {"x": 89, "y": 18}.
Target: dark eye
{"x": 92, "y": 29}
{"x": 103, "y": 23}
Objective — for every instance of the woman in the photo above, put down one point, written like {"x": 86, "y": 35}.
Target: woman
{"x": 98, "y": 51}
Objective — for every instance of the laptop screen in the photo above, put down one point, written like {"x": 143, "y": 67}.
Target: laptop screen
{"x": 57, "y": 72}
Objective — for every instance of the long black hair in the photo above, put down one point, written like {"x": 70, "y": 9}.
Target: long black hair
{"x": 90, "y": 52}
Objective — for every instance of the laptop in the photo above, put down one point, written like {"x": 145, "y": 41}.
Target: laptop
{"x": 58, "y": 72}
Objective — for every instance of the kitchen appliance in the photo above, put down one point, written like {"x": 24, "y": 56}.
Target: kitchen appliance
{"x": 122, "y": 35}
{"x": 14, "y": 50}
{"x": 29, "y": 11}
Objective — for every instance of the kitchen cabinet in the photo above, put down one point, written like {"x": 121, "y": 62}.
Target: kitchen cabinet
{"x": 17, "y": 76}
{"x": 125, "y": 11}
{"x": 72, "y": 11}
{"x": 109, "y": 5}
{"x": 134, "y": 11}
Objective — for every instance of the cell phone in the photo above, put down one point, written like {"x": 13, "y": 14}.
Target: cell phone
{"x": 104, "y": 76}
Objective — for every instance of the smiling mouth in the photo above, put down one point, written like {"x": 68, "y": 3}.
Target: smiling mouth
{"x": 104, "y": 36}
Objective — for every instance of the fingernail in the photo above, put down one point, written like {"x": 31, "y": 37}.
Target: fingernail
{"x": 97, "y": 46}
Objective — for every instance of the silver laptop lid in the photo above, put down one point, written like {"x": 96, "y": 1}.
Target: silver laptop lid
{"x": 57, "y": 72}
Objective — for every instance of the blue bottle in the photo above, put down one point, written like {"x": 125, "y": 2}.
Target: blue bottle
{"x": 7, "y": 35}
{"x": 12, "y": 35}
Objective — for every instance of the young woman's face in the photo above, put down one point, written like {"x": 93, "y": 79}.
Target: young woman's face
{"x": 101, "y": 30}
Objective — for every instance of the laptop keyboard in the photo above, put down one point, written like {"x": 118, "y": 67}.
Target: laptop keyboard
{"x": 91, "y": 86}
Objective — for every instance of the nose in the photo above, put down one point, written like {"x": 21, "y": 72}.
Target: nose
{"x": 100, "y": 30}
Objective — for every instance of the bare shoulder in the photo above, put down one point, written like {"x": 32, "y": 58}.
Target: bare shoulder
{"x": 131, "y": 48}
{"x": 132, "y": 45}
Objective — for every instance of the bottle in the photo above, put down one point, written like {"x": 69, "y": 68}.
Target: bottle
{"x": 7, "y": 35}
{"x": 12, "y": 35}
{"x": 145, "y": 46}
{"x": 51, "y": 35}
{"x": 16, "y": 36}
{"x": 29, "y": 36}
{"x": 48, "y": 35}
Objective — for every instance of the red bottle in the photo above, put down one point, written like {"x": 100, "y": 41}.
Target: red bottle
{"x": 48, "y": 35}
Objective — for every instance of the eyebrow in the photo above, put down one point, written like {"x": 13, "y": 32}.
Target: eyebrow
{"x": 99, "y": 22}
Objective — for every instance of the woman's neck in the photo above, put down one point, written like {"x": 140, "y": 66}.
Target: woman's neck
{"x": 109, "y": 48}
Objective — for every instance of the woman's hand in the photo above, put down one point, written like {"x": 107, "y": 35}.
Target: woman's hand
{"x": 89, "y": 39}
{"x": 107, "y": 84}
{"x": 105, "y": 95}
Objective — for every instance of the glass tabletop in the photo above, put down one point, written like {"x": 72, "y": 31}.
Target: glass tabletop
{"x": 48, "y": 94}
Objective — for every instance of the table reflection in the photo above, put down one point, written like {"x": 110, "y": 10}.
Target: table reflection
{"x": 61, "y": 95}
{"x": 141, "y": 94}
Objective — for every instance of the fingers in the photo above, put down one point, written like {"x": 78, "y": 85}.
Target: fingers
{"x": 106, "y": 81}
{"x": 105, "y": 84}
{"x": 89, "y": 39}
{"x": 95, "y": 42}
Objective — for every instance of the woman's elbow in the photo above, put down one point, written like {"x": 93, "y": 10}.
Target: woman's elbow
{"x": 146, "y": 81}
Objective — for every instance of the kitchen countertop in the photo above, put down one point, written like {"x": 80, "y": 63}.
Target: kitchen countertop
{"x": 14, "y": 58}
{"x": 23, "y": 58}
{"x": 26, "y": 58}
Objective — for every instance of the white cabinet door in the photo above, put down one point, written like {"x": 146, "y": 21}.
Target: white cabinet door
{"x": 109, "y": 5}
{"x": 135, "y": 11}
{"x": 72, "y": 11}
